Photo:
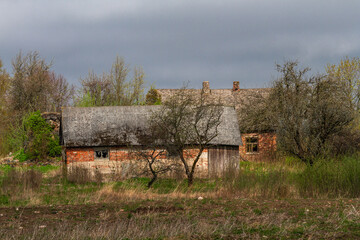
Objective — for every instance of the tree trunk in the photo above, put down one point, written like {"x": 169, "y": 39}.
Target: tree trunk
{"x": 190, "y": 179}
{"x": 152, "y": 181}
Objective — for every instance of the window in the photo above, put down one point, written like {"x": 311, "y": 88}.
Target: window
{"x": 252, "y": 144}
{"x": 101, "y": 154}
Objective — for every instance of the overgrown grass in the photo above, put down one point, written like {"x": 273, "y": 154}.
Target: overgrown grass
{"x": 331, "y": 178}
{"x": 45, "y": 185}
{"x": 259, "y": 201}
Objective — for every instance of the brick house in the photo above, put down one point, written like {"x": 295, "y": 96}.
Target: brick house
{"x": 103, "y": 138}
{"x": 257, "y": 146}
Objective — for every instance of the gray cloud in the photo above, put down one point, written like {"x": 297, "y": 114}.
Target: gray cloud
{"x": 177, "y": 41}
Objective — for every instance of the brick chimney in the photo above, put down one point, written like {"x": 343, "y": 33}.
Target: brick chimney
{"x": 236, "y": 86}
{"x": 206, "y": 87}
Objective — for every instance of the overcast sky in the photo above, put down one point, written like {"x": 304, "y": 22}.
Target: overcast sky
{"x": 220, "y": 41}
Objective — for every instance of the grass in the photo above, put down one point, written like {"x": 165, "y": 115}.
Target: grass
{"x": 279, "y": 200}
{"x": 45, "y": 184}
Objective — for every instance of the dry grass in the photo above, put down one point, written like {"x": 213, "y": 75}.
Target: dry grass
{"x": 109, "y": 194}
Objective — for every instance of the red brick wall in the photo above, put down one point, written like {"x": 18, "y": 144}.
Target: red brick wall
{"x": 123, "y": 154}
{"x": 79, "y": 155}
{"x": 119, "y": 154}
{"x": 121, "y": 157}
{"x": 266, "y": 147}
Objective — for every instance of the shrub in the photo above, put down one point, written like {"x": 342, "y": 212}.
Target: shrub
{"x": 153, "y": 97}
{"x": 34, "y": 139}
{"x": 21, "y": 155}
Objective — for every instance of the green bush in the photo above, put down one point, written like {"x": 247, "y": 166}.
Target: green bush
{"x": 33, "y": 139}
{"x": 21, "y": 155}
{"x": 54, "y": 149}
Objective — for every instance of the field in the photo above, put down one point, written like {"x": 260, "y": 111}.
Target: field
{"x": 264, "y": 201}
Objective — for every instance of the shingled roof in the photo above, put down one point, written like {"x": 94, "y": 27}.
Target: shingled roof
{"x": 109, "y": 126}
{"x": 234, "y": 97}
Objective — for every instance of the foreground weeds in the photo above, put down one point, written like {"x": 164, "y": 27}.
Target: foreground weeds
{"x": 325, "y": 179}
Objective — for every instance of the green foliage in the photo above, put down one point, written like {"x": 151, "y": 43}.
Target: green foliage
{"x": 33, "y": 139}
{"x": 153, "y": 97}
{"x": 16, "y": 137}
{"x": 4, "y": 111}
{"x": 85, "y": 100}
{"x": 21, "y": 155}
{"x": 347, "y": 72}
{"x": 54, "y": 148}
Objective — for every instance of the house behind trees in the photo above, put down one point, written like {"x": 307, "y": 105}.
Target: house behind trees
{"x": 257, "y": 145}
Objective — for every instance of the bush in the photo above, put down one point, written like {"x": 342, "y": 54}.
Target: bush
{"x": 21, "y": 155}
{"x": 153, "y": 97}
{"x": 34, "y": 139}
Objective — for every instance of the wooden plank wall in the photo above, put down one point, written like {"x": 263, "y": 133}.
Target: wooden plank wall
{"x": 222, "y": 160}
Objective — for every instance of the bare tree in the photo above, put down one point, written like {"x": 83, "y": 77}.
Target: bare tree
{"x": 35, "y": 87}
{"x": 306, "y": 112}
{"x": 30, "y": 85}
{"x": 61, "y": 92}
{"x": 96, "y": 91}
{"x": 187, "y": 124}
{"x": 115, "y": 88}
{"x": 152, "y": 154}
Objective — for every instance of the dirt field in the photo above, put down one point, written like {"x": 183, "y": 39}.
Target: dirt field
{"x": 187, "y": 218}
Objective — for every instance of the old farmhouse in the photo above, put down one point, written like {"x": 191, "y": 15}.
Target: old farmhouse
{"x": 103, "y": 138}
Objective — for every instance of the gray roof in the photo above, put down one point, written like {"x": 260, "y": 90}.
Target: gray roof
{"x": 226, "y": 97}
{"x": 107, "y": 126}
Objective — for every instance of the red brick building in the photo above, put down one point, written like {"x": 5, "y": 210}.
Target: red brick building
{"x": 256, "y": 146}
{"x": 104, "y": 138}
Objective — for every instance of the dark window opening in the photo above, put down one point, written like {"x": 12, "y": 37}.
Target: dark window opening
{"x": 252, "y": 145}
{"x": 102, "y": 154}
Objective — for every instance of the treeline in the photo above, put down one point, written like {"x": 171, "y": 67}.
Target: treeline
{"x": 313, "y": 116}
{"x": 33, "y": 87}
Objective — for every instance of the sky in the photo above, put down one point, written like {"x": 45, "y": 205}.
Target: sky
{"x": 177, "y": 41}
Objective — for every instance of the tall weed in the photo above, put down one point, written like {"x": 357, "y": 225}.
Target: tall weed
{"x": 331, "y": 178}
{"x": 259, "y": 180}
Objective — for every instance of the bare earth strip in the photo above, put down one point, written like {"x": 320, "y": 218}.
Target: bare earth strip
{"x": 187, "y": 218}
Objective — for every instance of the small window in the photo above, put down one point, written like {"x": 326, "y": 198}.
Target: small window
{"x": 101, "y": 154}
{"x": 252, "y": 145}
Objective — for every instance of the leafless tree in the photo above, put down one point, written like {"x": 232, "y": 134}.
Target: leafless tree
{"x": 61, "y": 92}
{"x": 187, "y": 122}
{"x": 35, "y": 87}
{"x": 152, "y": 154}
{"x": 115, "y": 88}
{"x": 306, "y": 112}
